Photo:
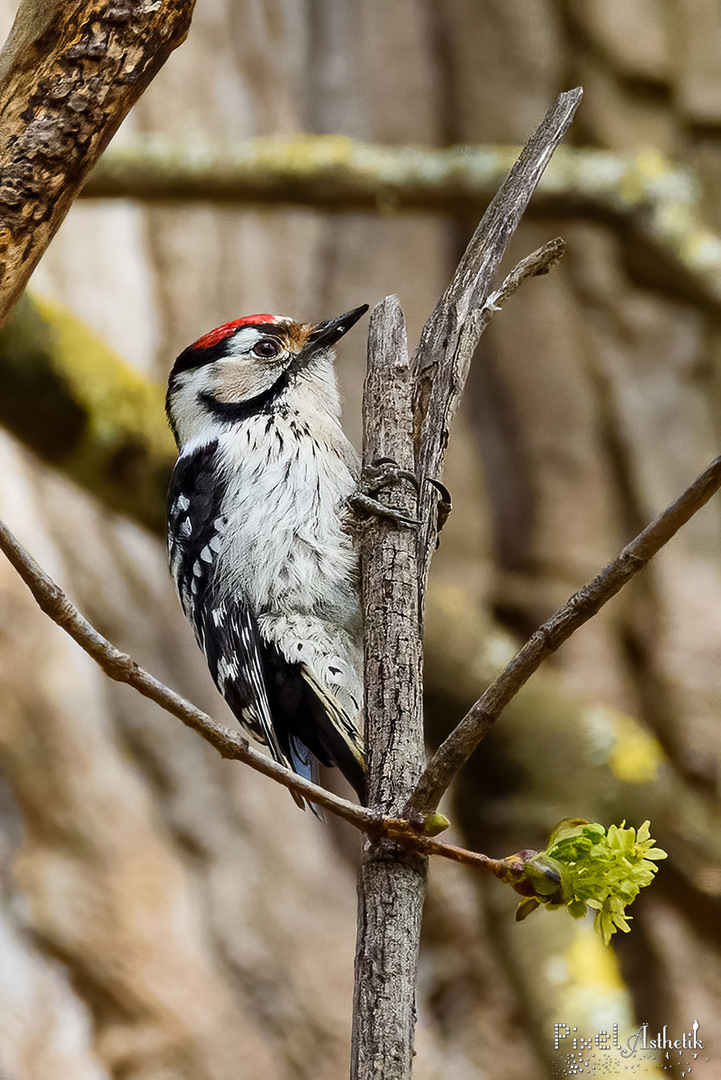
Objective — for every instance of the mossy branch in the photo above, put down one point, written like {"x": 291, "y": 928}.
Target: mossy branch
{"x": 652, "y": 202}
{"x": 84, "y": 410}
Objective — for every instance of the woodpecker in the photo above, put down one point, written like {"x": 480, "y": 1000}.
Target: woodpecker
{"x": 259, "y": 543}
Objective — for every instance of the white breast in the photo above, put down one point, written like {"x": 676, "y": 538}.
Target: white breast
{"x": 285, "y": 507}
{"x": 285, "y": 547}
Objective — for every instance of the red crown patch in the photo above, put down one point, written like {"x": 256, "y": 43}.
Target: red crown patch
{"x": 228, "y": 329}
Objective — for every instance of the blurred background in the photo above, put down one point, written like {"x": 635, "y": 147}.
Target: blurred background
{"x": 165, "y": 915}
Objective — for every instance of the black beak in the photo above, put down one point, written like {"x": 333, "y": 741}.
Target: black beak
{"x": 327, "y": 333}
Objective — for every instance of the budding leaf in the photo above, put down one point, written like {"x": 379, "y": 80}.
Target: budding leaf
{"x": 587, "y": 866}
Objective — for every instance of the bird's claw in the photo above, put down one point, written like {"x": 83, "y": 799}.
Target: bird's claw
{"x": 444, "y": 505}
{"x": 383, "y": 473}
{"x": 364, "y": 504}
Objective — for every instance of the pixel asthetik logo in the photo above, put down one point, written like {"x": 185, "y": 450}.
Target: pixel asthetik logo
{"x": 603, "y": 1052}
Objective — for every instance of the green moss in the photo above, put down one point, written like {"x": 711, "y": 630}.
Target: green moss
{"x": 74, "y": 402}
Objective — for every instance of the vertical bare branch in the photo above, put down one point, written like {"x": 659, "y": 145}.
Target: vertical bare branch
{"x": 407, "y": 416}
{"x": 392, "y": 881}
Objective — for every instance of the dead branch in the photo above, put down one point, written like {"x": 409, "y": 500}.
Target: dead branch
{"x": 451, "y": 334}
{"x": 391, "y": 879}
{"x": 583, "y": 605}
{"x": 407, "y": 417}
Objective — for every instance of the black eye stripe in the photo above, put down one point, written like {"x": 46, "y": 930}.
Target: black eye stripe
{"x": 237, "y": 411}
{"x": 195, "y": 358}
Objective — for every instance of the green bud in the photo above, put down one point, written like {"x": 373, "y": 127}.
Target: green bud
{"x": 434, "y": 824}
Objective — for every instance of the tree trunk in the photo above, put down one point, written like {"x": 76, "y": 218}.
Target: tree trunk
{"x": 391, "y": 883}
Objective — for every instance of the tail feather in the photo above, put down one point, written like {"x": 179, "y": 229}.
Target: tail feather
{"x": 338, "y": 734}
{"x": 304, "y": 710}
{"x": 306, "y": 764}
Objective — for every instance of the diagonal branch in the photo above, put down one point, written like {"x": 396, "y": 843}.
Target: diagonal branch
{"x": 451, "y": 334}
{"x": 230, "y": 744}
{"x": 122, "y": 668}
{"x": 583, "y": 605}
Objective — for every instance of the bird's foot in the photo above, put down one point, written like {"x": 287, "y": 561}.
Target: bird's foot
{"x": 382, "y": 474}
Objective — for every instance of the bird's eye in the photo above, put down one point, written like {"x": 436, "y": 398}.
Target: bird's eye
{"x": 266, "y": 348}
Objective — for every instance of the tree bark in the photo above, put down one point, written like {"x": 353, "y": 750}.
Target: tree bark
{"x": 392, "y": 882}
{"x": 69, "y": 74}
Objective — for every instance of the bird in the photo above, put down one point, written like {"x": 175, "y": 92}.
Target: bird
{"x": 260, "y": 543}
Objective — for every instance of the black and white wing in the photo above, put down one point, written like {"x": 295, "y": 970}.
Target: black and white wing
{"x": 281, "y": 703}
{"x": 226, "y": 631}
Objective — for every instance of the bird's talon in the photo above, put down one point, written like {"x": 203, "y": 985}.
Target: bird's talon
{"x": 443, "y": 492}
{"x": 385, "y": 471}
{"x": 444, "y": 505}
{"x": 364, "y": 504}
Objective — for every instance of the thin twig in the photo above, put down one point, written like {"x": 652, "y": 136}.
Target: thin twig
{"x": 463, "y": 740}
{"x": 400, "y": 831}
{"x": 122, "y": 668}
{"x": 538, "y": 262}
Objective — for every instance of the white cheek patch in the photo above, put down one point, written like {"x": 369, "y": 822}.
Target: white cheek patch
{"x": 235, "y": 379}
{"x": 191, "y": 418}
{"x": 230, "y": 380}
{"x": 243, "y": 375}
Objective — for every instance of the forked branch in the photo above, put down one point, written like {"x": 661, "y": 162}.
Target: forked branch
{"x": 451, "y": 334}
{"x": 583, "y": 605}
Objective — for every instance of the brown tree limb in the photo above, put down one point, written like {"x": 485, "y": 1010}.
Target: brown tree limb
{"x": 452, "y": 332}
{"x": 583, "y": 605}
{"x": 69, "y": 73}
{"x": 391, "y": 879}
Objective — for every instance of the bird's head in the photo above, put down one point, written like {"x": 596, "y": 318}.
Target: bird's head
{"x": 249, "y": 366}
